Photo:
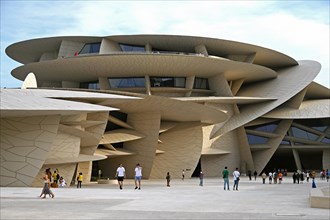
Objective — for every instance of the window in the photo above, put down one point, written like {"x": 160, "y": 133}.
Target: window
{"x": 127, "y": 82}
{"x": 91, "y": 48}
{"x": 131, "y": 48}
{"x": 284, "y": 142}
{"x": 299, "y": 133}
{"x": 201, "y": 83}
{"x": 320, "y": 128}
{"x": 253, "y": 139}
{"x": 90, "y": 85}
{"x": 326, "y": 140}
{"x": 168, "y": 82}
{"x": 270, "y": 128}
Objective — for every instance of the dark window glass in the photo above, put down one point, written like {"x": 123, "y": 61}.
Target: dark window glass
{"x": 326, "y": 140}
{"x": 284, "y": 142}
{"x": 321, "y": 128}
{"x": 270, "y": 128}
{"x": 298, "y": 143}
{"x": 127, "y": 82}
{"x": 91, "y": 48}
{"x": 299, "y": 133}
{"x": 201, "y": 83}
{"x": 168, "y": 82}
{"x": 119, "y": 115}
{"x": 118, "y": 145}
{"x": 253, "y": 139}
{"x": 90, "y": 85}
{"x": 131, "y": 48}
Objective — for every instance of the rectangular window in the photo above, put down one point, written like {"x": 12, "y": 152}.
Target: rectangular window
{"x": 132, "y": 48}
{"x": 91, "y": 48}
{"x": 127, "y": 82}
{"x": 90, "y": 85}
{"x": 179, "y": 82}
{"x": 201, "y": 83}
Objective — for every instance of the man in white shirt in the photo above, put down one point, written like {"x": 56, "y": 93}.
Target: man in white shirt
{"x": 138, "y": 176}
{"x": 236, "y": 175}
{"x": 120, "y": 174}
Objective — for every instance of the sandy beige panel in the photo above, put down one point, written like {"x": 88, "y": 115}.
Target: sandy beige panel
{"x": 86, "y": 169}
{"x": 318, "y": 108}
{"x": 326, "y": 159}
{"x": 212, "y": 165}
{"x": 245, "y": 151}
{"x": 220, "y": 85}
{"x": 25, "y": 144}
{"x": 89, "y": 146}
{"x": 289, "y": 82}
{"x": 147, "y": 123}
{"x": 69, "y": 48}
{"x": 182, "y": 146}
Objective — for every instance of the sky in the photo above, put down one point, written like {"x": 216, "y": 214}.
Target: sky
{"x": 299, "y": 29}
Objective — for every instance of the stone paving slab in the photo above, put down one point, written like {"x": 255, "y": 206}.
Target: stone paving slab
{"x": 183, "y": 200}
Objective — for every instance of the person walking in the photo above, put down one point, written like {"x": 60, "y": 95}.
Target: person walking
{"x": 79, "y": 179}
{"x": 120, "y": 174}
{"x": 138, "y": 176}
{"x": 201, "y": 178}
{"x": 280, "y": 176}
{"x": 294, "y": 177}
{"x": 236, "y": 175}
{"x": 250, "y": 174}
{"x": 182, "y": 174}
{"x": 46, "y": 190}
{"x": 225, "y": 176}
{"x": 168, "y": 179}
{"x": 263, "y": 176}
{"x": 255, "y": 174}
{"x": 270, "y": 177}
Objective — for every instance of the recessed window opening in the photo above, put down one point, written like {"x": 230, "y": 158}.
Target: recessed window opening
{"x": 299, "y": 133}
{"x": 91, "y": 48}
{"x": 253, "y": 139}
{"x": 270, "y": 128}
{"x": 127, "y": 82}
{"x": 90, "y": 85}
{"x": 201, "y": 83}
{"x": 168, "y": 82}
{"x": 132, "y": 48}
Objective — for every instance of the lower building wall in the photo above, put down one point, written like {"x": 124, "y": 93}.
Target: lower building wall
{"x": 212, "y": 165}
{"x": 143, "y": 150}
{"x": 180, "y": 149}
{"x": 25, "y": 145}
{"x": 326, "y": 159}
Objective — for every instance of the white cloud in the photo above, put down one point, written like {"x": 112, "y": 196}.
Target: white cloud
{"x": 291, "y": 28}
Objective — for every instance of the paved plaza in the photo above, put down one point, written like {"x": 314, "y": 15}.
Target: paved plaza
{"x": 183, "y": 200}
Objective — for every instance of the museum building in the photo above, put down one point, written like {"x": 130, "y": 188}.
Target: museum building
{"x": 170, "y": 103}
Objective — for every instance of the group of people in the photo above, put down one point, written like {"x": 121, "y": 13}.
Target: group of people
{"x": 273, "y": 177}
{"x": 225, "y": 176}
{"x": 120, "y": 175}
{"x": 55, "y": 180}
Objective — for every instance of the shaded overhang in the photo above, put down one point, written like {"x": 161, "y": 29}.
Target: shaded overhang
{"x": 91, "y": 67}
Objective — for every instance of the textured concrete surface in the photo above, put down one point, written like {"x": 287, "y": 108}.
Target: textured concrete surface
{"x": 183, "y": 200}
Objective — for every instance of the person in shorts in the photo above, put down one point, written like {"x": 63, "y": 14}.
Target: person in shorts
{"x": 120, "y": 174}
{"x": 138, "y": 176}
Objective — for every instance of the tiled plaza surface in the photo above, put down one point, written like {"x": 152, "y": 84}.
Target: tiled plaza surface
{"x": 183, "y": 200}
